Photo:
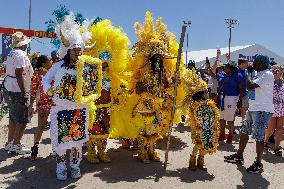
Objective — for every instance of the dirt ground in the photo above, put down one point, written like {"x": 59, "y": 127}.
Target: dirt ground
{"x": 126, "y": 171}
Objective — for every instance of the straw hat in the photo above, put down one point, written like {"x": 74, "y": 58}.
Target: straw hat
{"x": 19, "y": 39}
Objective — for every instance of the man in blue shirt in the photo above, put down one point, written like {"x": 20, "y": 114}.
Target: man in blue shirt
{"x": 230, "y": 90}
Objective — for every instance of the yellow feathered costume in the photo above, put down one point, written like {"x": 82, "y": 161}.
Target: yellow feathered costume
{"x": 112, "y": 43}
{"x": 145, "y": 105}
{"x": 112, "y": 49}
{"x": 150, "y": 41}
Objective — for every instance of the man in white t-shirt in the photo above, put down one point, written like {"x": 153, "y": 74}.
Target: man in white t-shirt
{"x": 17, "y": 85}
{"x": 259, "y": 112}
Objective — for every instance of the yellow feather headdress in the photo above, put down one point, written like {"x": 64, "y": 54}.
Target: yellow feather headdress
{"x": 150, "y": 40}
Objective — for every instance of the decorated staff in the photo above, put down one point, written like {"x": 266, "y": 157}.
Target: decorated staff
{"x": 70, "y": 116}
{"x": 175, "y": 93}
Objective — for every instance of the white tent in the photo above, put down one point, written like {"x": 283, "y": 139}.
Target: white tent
{"x": 247, "y": 51}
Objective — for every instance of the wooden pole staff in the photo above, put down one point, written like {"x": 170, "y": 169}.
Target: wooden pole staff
{"x": 175, "y": 93}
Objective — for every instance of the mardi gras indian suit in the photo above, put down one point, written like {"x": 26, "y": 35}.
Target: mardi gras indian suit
{"x": 70, "y": 118}
{"x": 147, "y": 104}
{"x": 203, "y": 118}
{"x": 112, "y": 49}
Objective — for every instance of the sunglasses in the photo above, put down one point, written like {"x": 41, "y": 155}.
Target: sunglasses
{"x": 276, "y": 71}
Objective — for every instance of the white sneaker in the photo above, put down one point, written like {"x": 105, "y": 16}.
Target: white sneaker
{"x": 20, "y": 149}
{"x": 61, "y": 171}
{"x": 8, "y": 146}
{"x": 75, "y": 172}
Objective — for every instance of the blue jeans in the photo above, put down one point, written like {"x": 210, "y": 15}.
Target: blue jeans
{"x": 255, "y": 124}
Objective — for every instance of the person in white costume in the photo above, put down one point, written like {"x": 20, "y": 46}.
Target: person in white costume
{"x": 69, "y": 120}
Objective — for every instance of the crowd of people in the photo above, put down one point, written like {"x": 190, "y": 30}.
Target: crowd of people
{"x": 253, "y": 91}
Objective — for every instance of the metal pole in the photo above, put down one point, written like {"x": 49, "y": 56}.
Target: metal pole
{"x": 230, "y": 42}
{"x": 231, "y": 22}
{"x": 30, "y": 21}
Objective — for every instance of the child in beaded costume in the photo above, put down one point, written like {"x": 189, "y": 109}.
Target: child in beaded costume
{"x": 204, "y": 119}
{"x": 112, "y": 48}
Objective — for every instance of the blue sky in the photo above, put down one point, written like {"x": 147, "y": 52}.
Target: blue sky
{"x": 261, "y": 21}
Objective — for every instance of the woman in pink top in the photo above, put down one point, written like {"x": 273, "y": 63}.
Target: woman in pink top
{"x": 43, "y": 104}
{"x": 277, "y": 121}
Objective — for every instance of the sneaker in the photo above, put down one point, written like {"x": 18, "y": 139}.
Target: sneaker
{"x": 256, "y": 167}
{"x": 20, "y": 149}
{"x": 234, "y": 158}
{"x": 75, "y": 172}
{"x": 61, "y": 171}
{"x": 8, "y": 146}
{"x": 278, "y": 152}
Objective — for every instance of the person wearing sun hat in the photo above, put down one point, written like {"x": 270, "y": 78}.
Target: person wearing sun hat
{"x": 229, "y": 93}
{"x": 259, "y": 113}
{"x": 17, "y": 83}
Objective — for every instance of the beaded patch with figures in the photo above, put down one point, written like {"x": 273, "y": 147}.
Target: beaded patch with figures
{"x": 205, "y": 126}
{"x": 71, "y": 125}
{"x": 89, "y": 79}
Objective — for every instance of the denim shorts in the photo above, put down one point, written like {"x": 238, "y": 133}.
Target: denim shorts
{"x": 255, "y": 124}
{"x": 18, "y": 109}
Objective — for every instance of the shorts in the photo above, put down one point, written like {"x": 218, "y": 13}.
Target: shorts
{"x": 255, "y": 124}
{"x": 245, "y": 102}
{"x": 18, "y": 109}
{"x": 230, "y": 107}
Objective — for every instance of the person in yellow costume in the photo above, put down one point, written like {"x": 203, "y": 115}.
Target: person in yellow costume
{"x": 203, "y": 119}
{"x": 112, "y": 48}
{"x": 147, "y": 102}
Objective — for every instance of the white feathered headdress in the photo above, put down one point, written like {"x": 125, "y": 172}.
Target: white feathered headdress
{"x": 72, "y": 35}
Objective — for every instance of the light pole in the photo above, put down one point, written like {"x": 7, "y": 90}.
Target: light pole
{"x": 30, "y": 21}
{"x": 188, "y": 23}
{"x": 231, "y": 22}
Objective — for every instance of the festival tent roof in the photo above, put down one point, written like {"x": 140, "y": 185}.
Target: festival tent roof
{"x": 246, "y": 51}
